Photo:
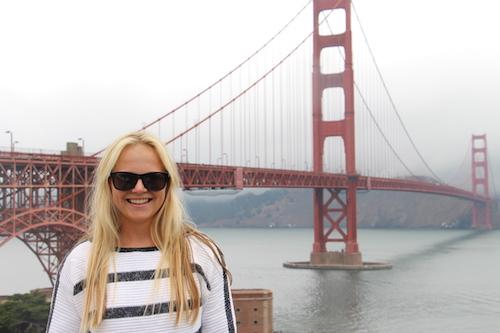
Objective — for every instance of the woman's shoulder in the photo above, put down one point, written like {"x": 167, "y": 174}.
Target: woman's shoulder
{"x": 76, "y": 258}
{"x": 204, "y": 249}
{"x": 208, "y": 260}
{"x": 199, "y": 243}
{"x": 79, "y": 250}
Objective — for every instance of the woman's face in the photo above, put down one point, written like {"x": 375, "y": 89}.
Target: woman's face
{"x": 137, "y": 205}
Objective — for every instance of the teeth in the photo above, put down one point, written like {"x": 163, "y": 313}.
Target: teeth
{"x": 138, "y": 201}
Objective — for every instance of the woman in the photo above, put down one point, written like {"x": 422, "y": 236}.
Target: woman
{"x": 142, "y": 268}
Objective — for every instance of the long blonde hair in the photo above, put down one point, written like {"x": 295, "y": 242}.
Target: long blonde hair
{"x": 169, "y": 232}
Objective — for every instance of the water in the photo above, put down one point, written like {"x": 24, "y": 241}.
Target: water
{"x": 442, "y": 280}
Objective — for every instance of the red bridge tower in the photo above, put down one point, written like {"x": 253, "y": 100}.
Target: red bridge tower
{"x": 340, "y": 209}
{"x": 481, "y": 211}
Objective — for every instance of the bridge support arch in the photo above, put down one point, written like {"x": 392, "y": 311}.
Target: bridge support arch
{"x": 47, "y": 232}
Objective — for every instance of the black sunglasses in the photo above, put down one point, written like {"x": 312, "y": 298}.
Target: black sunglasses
{"x": 152, "y": 181}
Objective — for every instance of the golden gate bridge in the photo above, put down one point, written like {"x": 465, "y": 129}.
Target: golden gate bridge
{"x": 289, "y": 116}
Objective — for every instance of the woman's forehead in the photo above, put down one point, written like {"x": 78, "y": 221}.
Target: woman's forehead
{"x": 139, "y": 158}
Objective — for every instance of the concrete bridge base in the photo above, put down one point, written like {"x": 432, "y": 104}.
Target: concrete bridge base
{"x": 336, "y": 258}
{"x": 337, "y": 261}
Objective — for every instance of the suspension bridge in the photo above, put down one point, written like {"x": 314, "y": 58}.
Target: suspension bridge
{"x": 296, "y": 113}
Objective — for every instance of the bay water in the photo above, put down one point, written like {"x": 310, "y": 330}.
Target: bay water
{"x": 441, "y": 280}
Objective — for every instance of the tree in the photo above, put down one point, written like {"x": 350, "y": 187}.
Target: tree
{"x": 24, "y": 313}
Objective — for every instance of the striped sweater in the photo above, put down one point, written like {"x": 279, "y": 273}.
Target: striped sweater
{"x": 130, "y": 294}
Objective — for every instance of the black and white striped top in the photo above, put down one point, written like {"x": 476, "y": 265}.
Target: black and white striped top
{"x": 131, "y": 296}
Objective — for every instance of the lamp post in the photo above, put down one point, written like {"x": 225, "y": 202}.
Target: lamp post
{"x": 83, "y": 145}
{"x": 184, "y": 153}
{"x": 11, "y": 140}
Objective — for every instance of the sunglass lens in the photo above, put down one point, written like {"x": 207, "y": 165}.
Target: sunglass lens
{"x": 155, "y": 181}
{"x": 124, "y": 181}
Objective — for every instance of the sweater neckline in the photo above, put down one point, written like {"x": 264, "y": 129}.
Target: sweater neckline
{"x": 136, "y": 249}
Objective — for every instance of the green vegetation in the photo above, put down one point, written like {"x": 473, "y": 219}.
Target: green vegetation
{"x": 24, "y": 313}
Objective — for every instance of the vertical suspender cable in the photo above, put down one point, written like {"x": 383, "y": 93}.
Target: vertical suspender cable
{"x": 187, "y": 136}
{"x": 221, "y": 130}
{"x": 173, "y": 132}
{"x": 282, "y": 123}
{"x": 197, "y": 149}
{"x": 210, "y": 129}
{"x": 273, "y": 113}
{"x": 233, "y": 127}
{"x": 266, "y": 123}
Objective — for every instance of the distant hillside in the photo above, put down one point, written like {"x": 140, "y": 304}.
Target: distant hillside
{"x": 293, "y": 208}
{"x": 239, "y": 211}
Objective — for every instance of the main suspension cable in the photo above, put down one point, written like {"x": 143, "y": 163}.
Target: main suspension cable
{"x": 232, "y": 70}
{"x": 144, "y": 127}
{"x": 241, "y": 93}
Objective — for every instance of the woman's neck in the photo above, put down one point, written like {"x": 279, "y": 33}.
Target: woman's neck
{"x": 135, "y": 235}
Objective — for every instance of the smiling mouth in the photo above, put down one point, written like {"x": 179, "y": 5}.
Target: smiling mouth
{"x": 139, "y": 201}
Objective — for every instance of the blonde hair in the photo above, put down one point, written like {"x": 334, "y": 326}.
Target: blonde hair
{"x": 169, "y": 232}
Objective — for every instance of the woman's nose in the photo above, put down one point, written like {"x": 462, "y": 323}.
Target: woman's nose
{"x": 139, "y": 186}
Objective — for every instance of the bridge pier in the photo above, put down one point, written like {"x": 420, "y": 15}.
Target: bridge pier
{"x": 319, "y": 255}
{"x": 339, "y": 212}
{"x": 336, "y": 258}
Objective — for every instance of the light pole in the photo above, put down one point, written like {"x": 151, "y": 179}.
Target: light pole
{"x": 11, "y": 140}
{"x": 83, "y": 145}
{"x": 184, "y": 153}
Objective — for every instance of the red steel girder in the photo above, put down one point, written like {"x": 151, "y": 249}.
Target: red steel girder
{"x": 201, "y": 176}
{"x": 43, "y": 202}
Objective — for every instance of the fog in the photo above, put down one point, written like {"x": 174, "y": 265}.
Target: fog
{"x": 96, "y": 69}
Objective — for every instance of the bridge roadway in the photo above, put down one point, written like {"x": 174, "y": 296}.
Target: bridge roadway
{"x": 58, "y": 171}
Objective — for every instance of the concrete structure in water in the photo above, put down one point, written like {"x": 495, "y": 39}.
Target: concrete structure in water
{"x": 254, "y": 310}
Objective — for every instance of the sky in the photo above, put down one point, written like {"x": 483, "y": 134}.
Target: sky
{"x": 96, "y": 69}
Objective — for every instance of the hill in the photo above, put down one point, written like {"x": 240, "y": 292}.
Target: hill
{"x": 293, "y": 208}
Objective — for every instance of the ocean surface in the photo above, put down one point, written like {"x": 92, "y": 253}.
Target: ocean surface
{"x": 441, "y": 280}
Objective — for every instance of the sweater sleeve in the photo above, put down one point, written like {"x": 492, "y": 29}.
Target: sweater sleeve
{"x": 217, "y": 303}
{"x": 64, "y": 316}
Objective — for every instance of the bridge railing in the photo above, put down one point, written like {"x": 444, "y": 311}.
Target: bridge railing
{"x": 4, "y": 149}
{"x": 44, "y": 155}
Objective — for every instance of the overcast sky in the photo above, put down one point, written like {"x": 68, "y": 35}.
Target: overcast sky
{"x": 96, "y": 69}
